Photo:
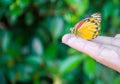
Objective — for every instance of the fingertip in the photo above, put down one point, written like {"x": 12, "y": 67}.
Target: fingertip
{"x": 65, "y": 38}
{"x": 117, "y": 36}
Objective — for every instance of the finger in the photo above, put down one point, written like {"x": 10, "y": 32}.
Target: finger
{"x": 91, "y": 48}
{"x": 107, "y": 40}
{"x": 68, "y": 36}
{"x": 103, "y": 55}
{"x": 117, "y": 36}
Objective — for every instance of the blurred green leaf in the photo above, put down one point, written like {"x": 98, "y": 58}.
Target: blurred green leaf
{"x": 23, "y": 72}
{"x": 14, "y": 12}
{"x": 52, "y": 66}
{"x": 2, "y": 77}
{"x": 16, "y": 9}
{"x": 56, "y": 26}
{"x": 109, "y": 8}
{"x": 116, "y": 17}
{"x": 12, "y": 76}
{"x": 116, "y": 80}
{"x": 29, "y": 19}
{"x": 22, "y": 3}
{"x": 57, "y": 80}
{"x": 40, "y": 1}
{"x": 6, "y": 41}
{"x": 70, "y": 63}
{"x": 3, "y": 10}
{"x": 70, "y": 18}
{"x": 5, "y": 2}
{"x": 79, "y": 6}
{"x": 72, "y": 51}
{"x": 89, "y": 67}
{"x": 34, "y": 60}
{"x": 7, "y": 60}
{"x": 51, "y": 51}
{"x": 37, "y": 46}
{"x": 99, "y": 82}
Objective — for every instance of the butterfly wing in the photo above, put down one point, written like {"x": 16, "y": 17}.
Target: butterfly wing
{"x": 89, "y": 27}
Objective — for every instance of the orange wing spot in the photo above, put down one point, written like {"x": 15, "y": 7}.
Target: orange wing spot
{"x": 80, "y": 24}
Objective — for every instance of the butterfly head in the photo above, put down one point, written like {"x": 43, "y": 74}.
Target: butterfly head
{"x": 73, "y": 30}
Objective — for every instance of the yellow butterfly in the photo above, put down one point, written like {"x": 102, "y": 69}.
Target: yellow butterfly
{"x": 88, "y": 28}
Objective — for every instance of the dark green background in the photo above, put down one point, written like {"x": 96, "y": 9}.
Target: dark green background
{"x": 31, "y": 50}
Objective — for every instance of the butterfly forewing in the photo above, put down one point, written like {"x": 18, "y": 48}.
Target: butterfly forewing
{"x": 89, "y": 27}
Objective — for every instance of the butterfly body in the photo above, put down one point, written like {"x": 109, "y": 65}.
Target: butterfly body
{"x": 88, "y": 28}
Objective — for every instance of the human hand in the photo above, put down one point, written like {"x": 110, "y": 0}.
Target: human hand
{"x": 105, "y": 50}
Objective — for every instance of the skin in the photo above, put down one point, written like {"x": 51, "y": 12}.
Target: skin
{"x": 105, "y": 50}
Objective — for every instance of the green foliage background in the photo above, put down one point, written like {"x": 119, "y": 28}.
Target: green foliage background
{"x": 31, "y": 50}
